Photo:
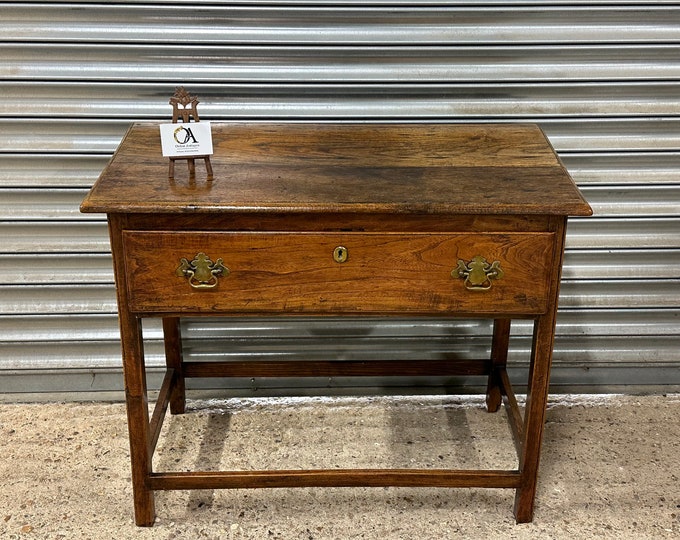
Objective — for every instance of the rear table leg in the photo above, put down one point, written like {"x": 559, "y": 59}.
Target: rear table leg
{"x": 499, "y": 358}
{"x": 173, "y": 359}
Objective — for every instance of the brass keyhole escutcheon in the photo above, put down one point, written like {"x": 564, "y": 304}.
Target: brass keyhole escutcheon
{"x": 340, "y": 254}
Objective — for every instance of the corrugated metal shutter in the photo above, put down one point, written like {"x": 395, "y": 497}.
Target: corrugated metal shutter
{"x": 602, "y": 78}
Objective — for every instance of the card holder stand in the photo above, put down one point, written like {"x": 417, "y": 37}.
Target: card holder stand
{"x": 184, "y": 109}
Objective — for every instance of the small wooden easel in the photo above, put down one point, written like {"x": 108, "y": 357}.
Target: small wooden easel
{"x": 184, "y": 105}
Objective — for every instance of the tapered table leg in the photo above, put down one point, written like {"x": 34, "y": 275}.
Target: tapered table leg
{"x": 138, "y": 417}
{"x": 534, "y": 416}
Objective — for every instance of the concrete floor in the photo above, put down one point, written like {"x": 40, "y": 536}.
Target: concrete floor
{"x": 610, "y": 469}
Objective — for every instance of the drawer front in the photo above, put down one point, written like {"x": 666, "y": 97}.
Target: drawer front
{"x": 273, "y": 272}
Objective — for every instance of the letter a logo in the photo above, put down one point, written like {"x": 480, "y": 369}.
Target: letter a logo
{"x": 183, "y": 135}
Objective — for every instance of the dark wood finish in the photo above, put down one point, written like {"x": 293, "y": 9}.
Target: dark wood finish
{"x": 331, "y": 168}
{"x": 406, "y": 201}
{"x": 334, "y": 222}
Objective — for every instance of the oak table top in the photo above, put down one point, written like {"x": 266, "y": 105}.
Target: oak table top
{"x": 355, "y": 168}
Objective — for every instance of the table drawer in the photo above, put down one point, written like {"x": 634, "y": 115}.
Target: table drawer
{"x": 241, "y": 272}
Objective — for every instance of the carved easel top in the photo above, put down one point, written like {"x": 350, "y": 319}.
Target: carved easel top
{"x": 188, "y": 105}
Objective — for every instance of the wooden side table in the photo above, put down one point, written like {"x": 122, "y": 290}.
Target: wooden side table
{"x": 331, "y": 220}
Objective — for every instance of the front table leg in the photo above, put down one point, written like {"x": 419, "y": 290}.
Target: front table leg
{"x": 534, "y": 415}
{"x": 138, "y": 417}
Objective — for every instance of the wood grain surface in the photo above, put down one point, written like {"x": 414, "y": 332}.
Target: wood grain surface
{"x": 414, "y": 168}
{"x": 296, "y": 272}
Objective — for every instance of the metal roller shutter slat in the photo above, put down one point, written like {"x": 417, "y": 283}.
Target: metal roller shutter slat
{"x": 601, "y": 78}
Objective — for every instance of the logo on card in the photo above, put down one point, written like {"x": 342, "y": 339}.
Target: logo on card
{"x": 184, "y": 135}
{"x": 186, "y": 139}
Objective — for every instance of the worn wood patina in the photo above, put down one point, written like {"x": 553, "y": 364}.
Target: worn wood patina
{"x": 340, "y": 219}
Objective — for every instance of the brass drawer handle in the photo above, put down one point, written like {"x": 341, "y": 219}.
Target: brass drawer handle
{"x": 201, "y": 272}
{"x": 478, "y": 273}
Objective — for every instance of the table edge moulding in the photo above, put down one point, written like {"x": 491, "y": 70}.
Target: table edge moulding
{"x": 339, "y": 219}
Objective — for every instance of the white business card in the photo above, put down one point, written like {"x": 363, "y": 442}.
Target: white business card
{"x": 186, "y": 140}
